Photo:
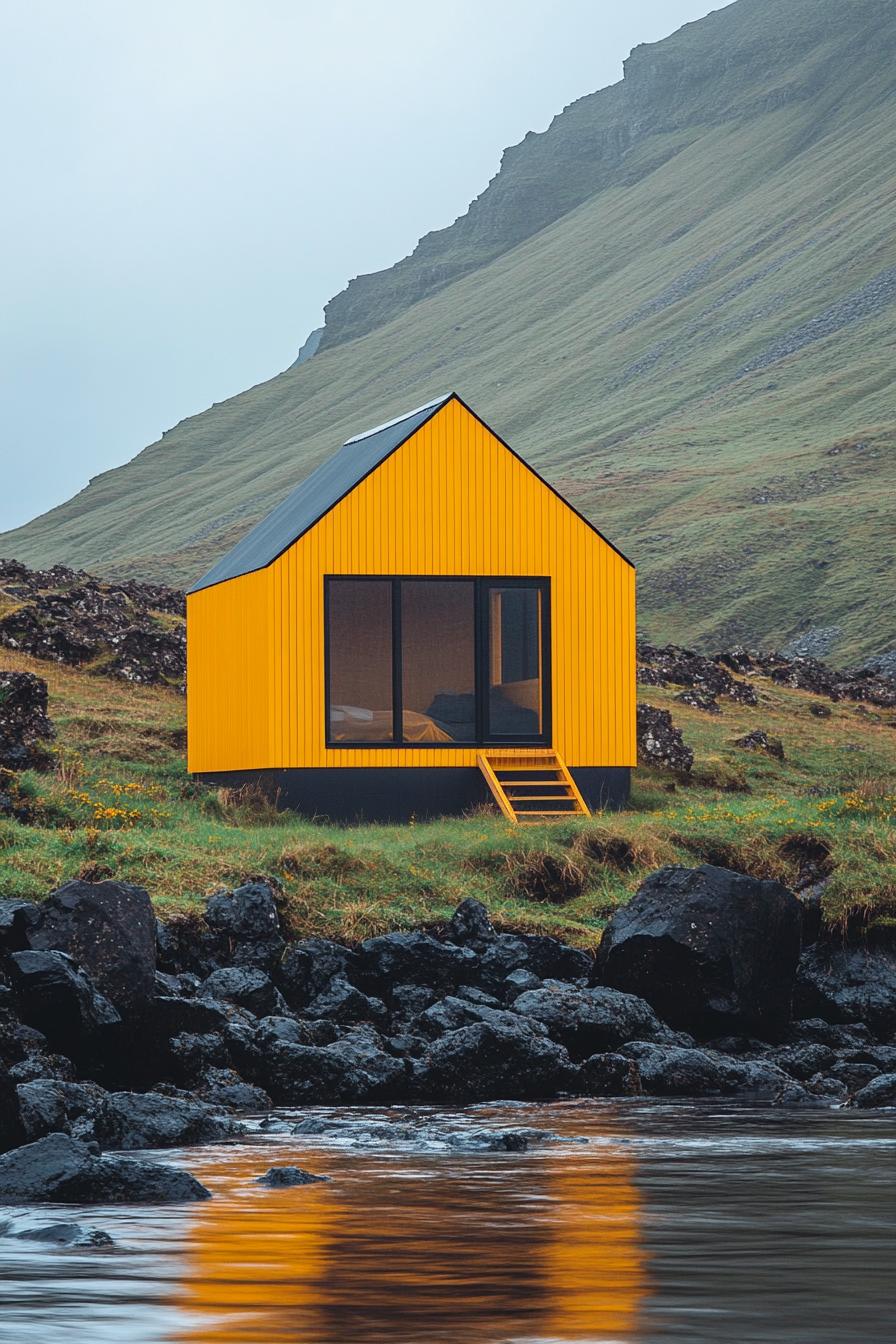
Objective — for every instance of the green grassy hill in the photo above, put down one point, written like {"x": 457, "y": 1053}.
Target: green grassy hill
{"x": 118, "y": 803}
{"x": 679, "y": 302}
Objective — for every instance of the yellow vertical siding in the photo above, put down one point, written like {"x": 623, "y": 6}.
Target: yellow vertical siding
{"x": 452, "y": 500}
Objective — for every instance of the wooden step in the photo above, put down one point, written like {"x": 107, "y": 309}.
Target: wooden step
{"x": 514, "y": 805}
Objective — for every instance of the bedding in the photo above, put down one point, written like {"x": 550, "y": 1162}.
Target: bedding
{"x": 349, "y": 723}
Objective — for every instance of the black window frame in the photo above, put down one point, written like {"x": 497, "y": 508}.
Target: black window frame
{"x": 482, "y": 584}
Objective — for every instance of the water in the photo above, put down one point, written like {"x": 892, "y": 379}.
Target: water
{"x": 679, "y": 1222}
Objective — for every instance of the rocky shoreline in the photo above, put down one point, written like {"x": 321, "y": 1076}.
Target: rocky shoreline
{"x": 121, "y": 1032}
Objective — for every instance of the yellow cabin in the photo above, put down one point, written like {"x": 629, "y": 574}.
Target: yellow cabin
{"x": 423, "y": 622}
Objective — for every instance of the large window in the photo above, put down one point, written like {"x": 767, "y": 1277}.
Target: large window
{"x": 432, "y": 662}
{"x": 359, "y": 627}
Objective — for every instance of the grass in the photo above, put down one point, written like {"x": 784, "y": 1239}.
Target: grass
{"x": 120, "y": 803}
{"x": 609, "y": 348}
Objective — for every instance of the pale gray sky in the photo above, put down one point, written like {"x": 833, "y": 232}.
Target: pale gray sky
{"x": 187, "y": 182}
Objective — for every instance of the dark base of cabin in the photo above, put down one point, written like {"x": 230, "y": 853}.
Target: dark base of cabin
{"x": 398, "y": 793}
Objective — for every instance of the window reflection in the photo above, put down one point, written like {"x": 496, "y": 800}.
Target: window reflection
{"x": 360, "y": 658}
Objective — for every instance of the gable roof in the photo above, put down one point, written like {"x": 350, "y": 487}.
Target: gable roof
{"x": 331, "y": 482}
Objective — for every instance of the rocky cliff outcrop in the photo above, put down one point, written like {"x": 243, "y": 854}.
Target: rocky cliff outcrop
{"x": 120, "y": 628}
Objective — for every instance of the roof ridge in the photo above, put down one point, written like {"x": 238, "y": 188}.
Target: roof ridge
{"x": 406, "y": 415}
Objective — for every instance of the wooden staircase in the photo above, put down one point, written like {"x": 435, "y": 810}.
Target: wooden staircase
{"x": 531, "y": 785}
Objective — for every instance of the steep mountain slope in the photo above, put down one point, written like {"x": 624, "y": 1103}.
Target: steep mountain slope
{"x": 679, "y": 302}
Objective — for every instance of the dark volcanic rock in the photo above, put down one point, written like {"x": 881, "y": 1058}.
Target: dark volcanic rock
{"x": 307, "y": 1074}
{"x": 194, "y": 1053}
{"x": 308, "y": 966}
{"x": 848, "y": 985}
{"x": 670, "y": 1071}
{"x": 61, "y": 1170}
{"x": 399, "y": 958}
{"x": 343, "y": 1003}
{"x": 246, "y": 926}
{"x": 225, "y": 1088}
{"x": 586, "y": 1021}
{"x": 70, "y": 1235}
{"x": 280, "y": 1177}
{"x": 454, "y": 1012}
{"x": 711, "y": 950}
{"x": 58, "y": 998}
{"x": 609, "y": 1075}
{"x": 109, "y": 929}
{"x": 484, "y": 1062}
{"x": 167, "y": 1015}
{"x": 758, "y": 740}
{"x": 704, "y": 700}
{"x": 42, "y": 1109}
{"x": 70, "y": 617}
{"x": 25, "y": 727}
{"x": 684, "y": 667}
{"x": 660, "y": 742}
{"x": 410, "y": 1000}
{"x": 470, "y": 926}
{"x": 881, "y": 1092}
{"x": 16, "y": 918}
{"x": 247, "y": 986}
{"x": 150, "y": 1120}
{"x": 546, "y": 958}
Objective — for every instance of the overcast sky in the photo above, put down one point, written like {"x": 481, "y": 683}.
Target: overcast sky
{"x": 185, "y": 183}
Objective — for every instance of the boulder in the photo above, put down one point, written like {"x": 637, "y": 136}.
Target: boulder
{"x": 470, "y": 926}
{"x": 277, "y": 1178}
{"x": 71, "y": 1235}
{"x": 670, "y": 1071}
{"x": 25, "y": 727}
{"x": 194, "y": 1053}
{"x": 297, "y": 1075}
{"x": 109, "y": 929}
{"x": 150, "y": 1120}
{"x": 168, "y": 1015}
{"x": 803, "y": 1061}
{"x": 42, "y": 1109}
{"x": 879, "y": 1093}
{"x": 248, "y": 986}
{"x": 16, "y": 918}
{"x": 704, "y": 700}
{"x": 546, "y": 958}
{"x": 454, "y": 1012}
{"x": 225, "y": 1088}
{"x": 61, "y": 1170}
{"x": 410, "y": 1000}
{"x": 363, "y": 1049}
{"x": 684, "y": 667}
{"x": 609, "y": 1075}
{"x": 660, "y": 743}
{"x": 848, "y": 985}
{"x": 758, "y": 740}
{"x": 484, "y": 1062}
{"x": 343, "y": 1003}
{"x": 518, "y": 981}
{"x": 586, "y": 1021}
{"x": 308, "y": 966}
{"x": 713, "y": 951}
{"x": 399, "y": 958}
{"x": 59, "y": 999}
{"x": 246, "y": 925}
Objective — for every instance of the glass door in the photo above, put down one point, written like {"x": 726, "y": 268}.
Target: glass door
{"x": 515, "y": 688}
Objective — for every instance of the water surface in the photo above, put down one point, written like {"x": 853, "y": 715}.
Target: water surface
{"x": 679, "y": 1222}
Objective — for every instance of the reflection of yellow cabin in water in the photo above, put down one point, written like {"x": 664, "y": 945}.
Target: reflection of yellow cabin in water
{"x": 394, "y": 1253}
{"x": 421, "y": 618}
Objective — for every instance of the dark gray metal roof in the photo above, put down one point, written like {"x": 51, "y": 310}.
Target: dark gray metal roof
{"x": 316, "y": 495}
